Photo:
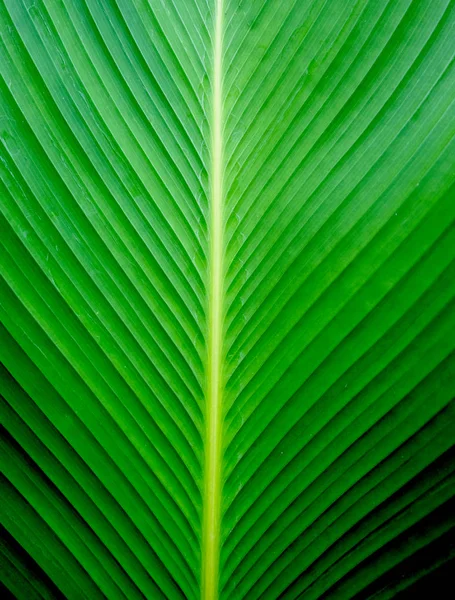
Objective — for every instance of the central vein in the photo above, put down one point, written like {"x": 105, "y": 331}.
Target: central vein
{"x": 212, "y": 491}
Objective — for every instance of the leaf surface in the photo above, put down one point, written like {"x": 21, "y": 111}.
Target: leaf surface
{"x": 227, "y": 298}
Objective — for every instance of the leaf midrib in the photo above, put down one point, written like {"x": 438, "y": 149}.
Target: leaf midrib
{"x": 212, "y": 487}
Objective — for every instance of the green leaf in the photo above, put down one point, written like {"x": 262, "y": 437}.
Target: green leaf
{"x": 227, "y": 298}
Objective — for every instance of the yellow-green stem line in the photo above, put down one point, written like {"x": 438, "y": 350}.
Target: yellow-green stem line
{"x": 212, "y": 491}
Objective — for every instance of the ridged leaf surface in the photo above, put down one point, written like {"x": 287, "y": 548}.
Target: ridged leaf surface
{"x": 227, "y": 298}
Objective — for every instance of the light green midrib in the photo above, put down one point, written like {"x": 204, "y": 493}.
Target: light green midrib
{"x": 212, "y": 488}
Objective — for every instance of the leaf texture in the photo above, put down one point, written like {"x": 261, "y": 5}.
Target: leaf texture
{"x": 227, "y": 298}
